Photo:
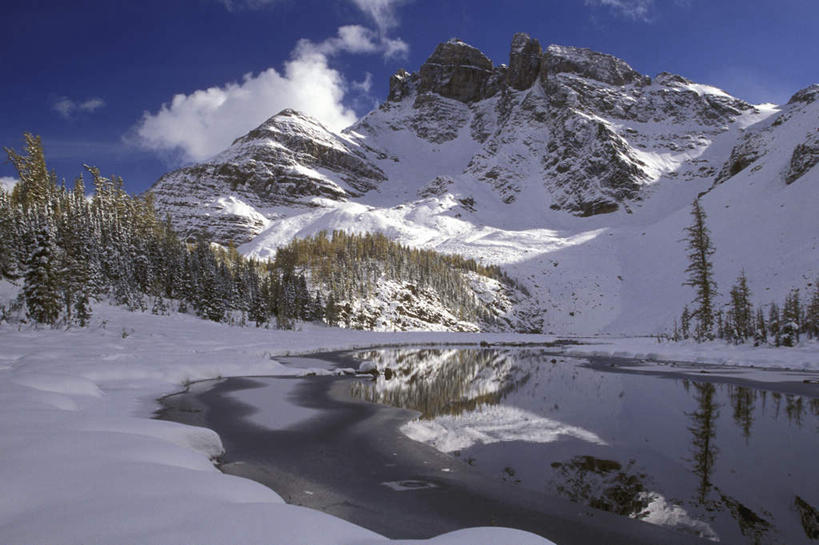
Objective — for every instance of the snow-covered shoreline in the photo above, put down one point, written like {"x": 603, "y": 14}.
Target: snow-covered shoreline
{"x": 83, "y": 462}
{"x": 803, "y": 357}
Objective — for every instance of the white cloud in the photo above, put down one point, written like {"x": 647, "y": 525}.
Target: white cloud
{"x": 637, "y": 10}
{"x": 382, "y": 12}
{"x": 202, "y": 123}
{"x": 350, "y": 39}
{"x": 364, "y": 85}
{"x": 198, "y": 125}
{"x": 354, "y": 39}
{"x": 67, "y": 107}
{"x": 8, "y": 183}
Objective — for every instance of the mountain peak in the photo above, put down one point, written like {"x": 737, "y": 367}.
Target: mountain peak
{"x": 456, "y": 70}
{"x": 807, "y": 95}
{"x": 460, "y": 71}
{"x": 524, "y": 61}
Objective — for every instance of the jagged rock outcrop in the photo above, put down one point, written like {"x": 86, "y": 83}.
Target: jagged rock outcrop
{"x": 561, "y": 118}
{"x": 524, "y": 61}
{"x": 456, "y": 70}
{"x": 401, "y": 85}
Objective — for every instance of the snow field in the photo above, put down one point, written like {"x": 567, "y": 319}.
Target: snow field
{"x": 82, "y": 462}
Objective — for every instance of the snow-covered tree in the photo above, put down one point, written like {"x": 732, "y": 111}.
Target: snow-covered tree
{"x": 741, "y": 322}
{"x": 41, "y": 286}
{"x": 812, "y": 313}
{"x": 791, "y": 318}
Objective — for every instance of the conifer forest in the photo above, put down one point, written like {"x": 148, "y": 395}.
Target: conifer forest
{"x": 69, "y": 250}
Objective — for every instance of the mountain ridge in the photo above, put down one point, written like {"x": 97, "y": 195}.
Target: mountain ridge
{"x": 512, "y": 164}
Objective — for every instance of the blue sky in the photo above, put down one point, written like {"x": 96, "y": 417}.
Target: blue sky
{"x": 138, "y": 88}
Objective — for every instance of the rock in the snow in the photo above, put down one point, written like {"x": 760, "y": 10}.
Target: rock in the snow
{"x": 400, "y": 85}
{"x": 806, "y": 95}
{"x": 805, "y": 157}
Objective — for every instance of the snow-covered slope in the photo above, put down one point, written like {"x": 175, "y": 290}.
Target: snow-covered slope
{"x": 567, "y": 167}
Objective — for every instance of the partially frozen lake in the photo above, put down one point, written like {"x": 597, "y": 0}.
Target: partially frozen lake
{"x": 576, "y": 450}
{"x": 735, "y": 461}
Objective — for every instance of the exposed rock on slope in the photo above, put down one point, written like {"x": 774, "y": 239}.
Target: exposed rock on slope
{"x": 570, "y": 128}
{"x": 289, "y": 160}
{"x": 796, "y": 127}
{"x": 524, "y": 62}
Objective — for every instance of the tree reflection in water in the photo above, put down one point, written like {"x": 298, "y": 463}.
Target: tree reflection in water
{"x": 742, "y": 401}
{"x": 703, "y": 430}
{"x": 438, "y": 382}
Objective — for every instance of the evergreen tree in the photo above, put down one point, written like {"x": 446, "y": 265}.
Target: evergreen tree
{"x": 700, "y": 272}
{"x": 774, "y": 324}
{"x": 111, "y": 245}
{"x": 317, "y": 307}
{"x": 812, "y": 313}
{"x": 791, "y": 317}
{"x": 331, "y": 310}
{"x": 760, "y": 328}
{"x": 159, "y": 307}
{"x": 41, "y": 283}
{"x": 82, "y": 309}
{"x": 720, "y": 325}
{"x": 685, "y": 323}
{"x": 9, "y": 240}
{"x": 36, "y": 183}
{"x": 741, "y": 323}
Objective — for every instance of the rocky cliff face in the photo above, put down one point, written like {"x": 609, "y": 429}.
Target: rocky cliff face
{"x": 574, "y": 129}
{"x": 799, "y": 120}
{"x": 568, "y": 128}
{"x": 290, "y": 160}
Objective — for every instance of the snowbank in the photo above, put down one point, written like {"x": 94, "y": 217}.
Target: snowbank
{"x": 81, "y": 461}
{"x": 804, "y": 356}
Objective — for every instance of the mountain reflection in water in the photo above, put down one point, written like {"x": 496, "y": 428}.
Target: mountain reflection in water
{"x": 719, "y": 460}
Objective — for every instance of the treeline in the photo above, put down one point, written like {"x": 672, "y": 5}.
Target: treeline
{"x": 738, "y": 321}
{"x": 347, "y": 267}
{"x": 741, "y": 321}
{"x": 69, "y": 250}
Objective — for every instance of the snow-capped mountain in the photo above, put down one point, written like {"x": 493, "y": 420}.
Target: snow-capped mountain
{"x": 567, "y": 167}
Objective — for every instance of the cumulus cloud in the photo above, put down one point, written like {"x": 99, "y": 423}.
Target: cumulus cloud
{"x": 7, "y": 183}
{"x": 196, "y": 126}
{"x": 636, "y": 10}
{"x": 206, "y": 121}
{"x": 67, "y": 107}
